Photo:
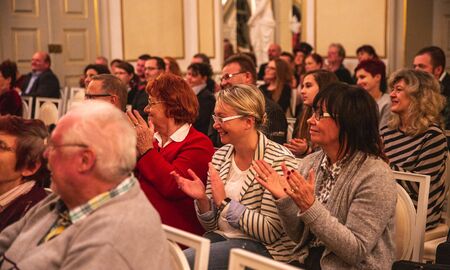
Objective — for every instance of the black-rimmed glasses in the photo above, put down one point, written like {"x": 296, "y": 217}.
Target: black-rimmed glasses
{"x": 93, "y": 96}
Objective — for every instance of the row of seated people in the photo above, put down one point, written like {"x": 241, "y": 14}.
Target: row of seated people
{"x": 332, "y": 209}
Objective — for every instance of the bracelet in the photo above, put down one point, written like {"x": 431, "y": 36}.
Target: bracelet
{"x": 306, "y": 151}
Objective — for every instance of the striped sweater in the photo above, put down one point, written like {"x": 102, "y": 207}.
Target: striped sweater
{"x": 260, "y": 220}
{"x": 425, "y": 153}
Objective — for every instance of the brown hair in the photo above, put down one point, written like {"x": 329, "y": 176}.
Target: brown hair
{"x": 174, "y": 68}
{"x": 30, "y": 135}
{"x": 180, "y": 101}
{"x": 283, "y": 77}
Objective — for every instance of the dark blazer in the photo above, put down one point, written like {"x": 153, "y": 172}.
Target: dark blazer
{"x": 261, "y": 72}
{"x": 446, "y": 85}
{"x": 46, "y": 85}
{"x": 206, "y": 102}
{"x": 344, "y": 75}
{"x": 138, "y": 99}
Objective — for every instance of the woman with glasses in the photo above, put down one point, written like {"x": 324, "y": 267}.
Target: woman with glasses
{"x": 413, "y": 139}
{"x": 168, "y": 142}
{"x": 234, "y": 209}
{"x": 313, "y": 82}
{"x": 278, "y": 76}
{"x": 339, "y": 206}
{"x": 22, "y": 167}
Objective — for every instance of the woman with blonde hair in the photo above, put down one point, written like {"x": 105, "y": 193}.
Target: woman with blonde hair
{"x": 234, "y": 209}
{"x": 413, "y": 139}
{"x": 278, "y": 76}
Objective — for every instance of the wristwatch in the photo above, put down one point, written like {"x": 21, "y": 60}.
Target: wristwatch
{"x": 224, "y": 203}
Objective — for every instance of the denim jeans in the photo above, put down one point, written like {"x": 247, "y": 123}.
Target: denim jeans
{"x": 219, "y": 253}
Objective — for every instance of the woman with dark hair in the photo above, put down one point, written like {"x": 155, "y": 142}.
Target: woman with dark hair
{"x": 313, "y": 82}
{"x": 371, "y": 75}
{"x": 23, "y": 169}
{"x": 197, "y": 76}
{"x": 94, "y": 69}
{"x": 10, "y": 101}
{"x": 172, "y": 66}
{"x": 313, "y": 62}
{"x": 366, "y": 52}
{"x": 340, "y": 206}
{"x": 233, "y": 208}
{"x": 413, "y": 139}
{"x": 278, "y": 77}
{"x": 135, "y": 97}
{"x": 168, "y": 142}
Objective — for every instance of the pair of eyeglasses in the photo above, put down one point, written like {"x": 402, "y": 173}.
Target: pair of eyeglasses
{"x": 51, "y": 146}
{"x": 153, "y": 103}
{"x": 221, "y": 120}
{"x": 228, "y": 76}
{"x": 320, "y": 115}
{"x": 93, "y": 96}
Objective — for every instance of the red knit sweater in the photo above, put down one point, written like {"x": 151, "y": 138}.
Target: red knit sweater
{"x": 174, "y": 206}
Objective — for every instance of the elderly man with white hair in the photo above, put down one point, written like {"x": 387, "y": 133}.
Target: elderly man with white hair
{"x": 98, "y": 217}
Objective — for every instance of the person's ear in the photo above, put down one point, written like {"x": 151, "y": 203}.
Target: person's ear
{"x": 31, "y": 170}
{"x": 437, "y": 71}
{"x": 87, "y": 161}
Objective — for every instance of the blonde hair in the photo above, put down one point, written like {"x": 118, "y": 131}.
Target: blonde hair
{"x": 426, "y": 101}
{"x": 245, "y": 100}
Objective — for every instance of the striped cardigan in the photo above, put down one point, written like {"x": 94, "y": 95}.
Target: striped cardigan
{"x": 260, "y": 220}
{"x": 425, "y": 153}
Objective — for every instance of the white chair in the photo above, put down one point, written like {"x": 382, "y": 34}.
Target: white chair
{"x": 405, "y": 220}
{"x": 27, "y": 104}
{"x": 49, "y": 110}
{"x": 65, "y": 97}
{"x": 290, "y": 130}
{"x": 199, "y": 244}
{"x": 76, "y": 92}
{"x": 421, "y": 210}
{"x": 241, "y": 259}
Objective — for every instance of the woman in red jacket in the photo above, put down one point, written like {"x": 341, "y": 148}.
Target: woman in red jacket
{"x": 168, "y": 142}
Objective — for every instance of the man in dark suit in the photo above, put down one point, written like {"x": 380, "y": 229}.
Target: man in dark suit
{"x": 432, "y": 60}
{"x": 41, "y": 81}
{"x": 197, "y": 76}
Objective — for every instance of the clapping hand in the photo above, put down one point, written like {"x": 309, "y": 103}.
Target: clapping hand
{"x": 144, "y": 131}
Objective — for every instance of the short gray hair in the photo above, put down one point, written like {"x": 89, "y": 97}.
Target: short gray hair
{"x": 107, "y": 131}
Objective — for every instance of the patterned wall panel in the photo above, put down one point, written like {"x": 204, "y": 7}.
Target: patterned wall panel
{"x": 25, "y": 43}
{"x": 28, "y": 7}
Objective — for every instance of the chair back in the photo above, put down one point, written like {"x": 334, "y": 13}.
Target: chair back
{"x": 27, "y": 104}
{"x": 241, "y": 259}
{"x": 405, "y": 221}
{"x": 421, "y": 210}
{"x": 199, "y": 244}
{"x": 49, "y": 110}
{"x": 76, "y": 93}
{"x": 290, "y": 130}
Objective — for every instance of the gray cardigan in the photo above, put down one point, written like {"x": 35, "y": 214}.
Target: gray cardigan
{"x": 124, "y": 233}
{"x": 356, "y": 225}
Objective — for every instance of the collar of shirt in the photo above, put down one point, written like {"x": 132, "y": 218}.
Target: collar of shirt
{"x": 82, "y": 211}
{"x": 177, "y": 136}
{"x": 333, "y": 170}
{"x": 442, "y": 76}
{"x": 11, "y": 195}
{"x": 198, "y": 88}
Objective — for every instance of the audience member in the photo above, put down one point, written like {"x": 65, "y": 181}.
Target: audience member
{"x": 234, "y": 209}
{"x": 200, "y": 58}
{"x": 196, "y": 76}
{"x": 109, "y": 88}
{"x": 101, "y": 60}
{"x": 41, "y": 81}
{"x": 135, "y": 97}
{"x": 313, "y": 82}
{"x": 10, "y": 101}
{"x": 240, "y": 69}
{"x": 97, "y": 210}
{"x": 289, "y": 59}
{"x": 371, "y": 75}
{"x": 313, "y": 62}
{"x": 366, "y": 52}
{"x": 301, "y": 51}
{"x": 336, "y": 56}
{"x": 140, "y": 71}
{"x": 113, "y": 64}
{"x": 172, "y": 66}
{"x": 413, "y": 139}
{"x": 167, "y": 143}
{"x": 340, "y": 206}
{"x": 154, "y": 67}
{"x": 23, "y": 171}
{"x": 273, "y": 52}
{"x": 93, "y": 69}
{"x": 278, "y": 83}
{"x": 432, "y": 60}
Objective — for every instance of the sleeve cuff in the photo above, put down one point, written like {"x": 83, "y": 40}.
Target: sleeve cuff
{"x": 234, "y": 211}
{"x": 312, "y": 213}
{"x": 207, "y": 215}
